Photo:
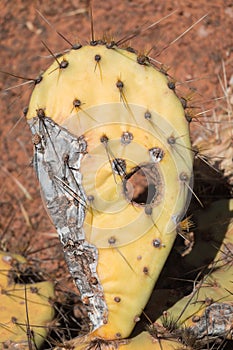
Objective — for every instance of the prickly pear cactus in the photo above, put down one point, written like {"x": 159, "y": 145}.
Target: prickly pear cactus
{"x": 25, "y": 308}
{"x": 112, "y": 154}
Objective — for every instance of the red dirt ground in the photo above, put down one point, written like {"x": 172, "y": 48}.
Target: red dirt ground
{"x": 197, "y": 57}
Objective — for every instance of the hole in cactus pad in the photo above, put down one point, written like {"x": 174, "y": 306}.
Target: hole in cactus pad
{"x": 143, "y": 185}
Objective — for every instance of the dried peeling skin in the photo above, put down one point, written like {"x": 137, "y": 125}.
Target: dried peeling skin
{"x": 216, "y": 321}
{"x": 57, "y": 161}
{"x": 19, "y": 302}
{"x": 137, "y": 144}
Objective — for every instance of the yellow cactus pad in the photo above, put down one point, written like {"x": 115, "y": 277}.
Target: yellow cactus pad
{"x": 143, "y": 341}
{"x": 25, "y": 308}
{"x": 133, "y": 175}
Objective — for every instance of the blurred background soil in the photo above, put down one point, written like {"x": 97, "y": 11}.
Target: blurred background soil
{"x": 199, "y": 62}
